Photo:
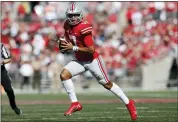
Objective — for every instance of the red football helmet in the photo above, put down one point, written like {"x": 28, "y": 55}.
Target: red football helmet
{"x": 74, "y": 14}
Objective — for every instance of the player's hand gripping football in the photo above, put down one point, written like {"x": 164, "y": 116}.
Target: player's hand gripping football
{"x": 66, "y": 45}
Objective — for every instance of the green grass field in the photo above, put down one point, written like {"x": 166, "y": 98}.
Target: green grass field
{"x": 151, "y": 107}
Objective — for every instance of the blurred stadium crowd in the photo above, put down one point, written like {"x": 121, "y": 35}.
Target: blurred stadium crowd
{"x": 127, "y": 35}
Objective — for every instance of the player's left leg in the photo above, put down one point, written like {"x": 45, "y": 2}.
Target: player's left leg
{"x": 97, "y": 69}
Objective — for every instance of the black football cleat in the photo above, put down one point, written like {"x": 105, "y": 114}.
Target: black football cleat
{"x": 17, "y": 111}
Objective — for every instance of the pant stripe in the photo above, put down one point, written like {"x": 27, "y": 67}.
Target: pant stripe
{"x": 102, "y": 70}
{"x": 103, "y": 65}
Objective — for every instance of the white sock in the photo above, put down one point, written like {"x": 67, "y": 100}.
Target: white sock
{"x": 69, "y": 87}
{"x": 118, "y": 92}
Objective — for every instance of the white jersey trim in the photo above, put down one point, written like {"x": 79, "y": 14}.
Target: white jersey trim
{"x": 86, "y": 29}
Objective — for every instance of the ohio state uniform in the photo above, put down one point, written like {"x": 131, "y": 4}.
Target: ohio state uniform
{"x": 81, "y": 35}
{"x": 79, "y": 32}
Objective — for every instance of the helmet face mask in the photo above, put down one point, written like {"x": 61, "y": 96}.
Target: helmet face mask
{"x": 74, "y": 14}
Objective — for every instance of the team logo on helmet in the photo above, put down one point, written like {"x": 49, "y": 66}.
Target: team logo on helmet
{"x": 74, "y": 14}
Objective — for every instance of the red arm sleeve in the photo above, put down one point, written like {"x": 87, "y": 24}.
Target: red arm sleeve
{"x": 88, "y": 40}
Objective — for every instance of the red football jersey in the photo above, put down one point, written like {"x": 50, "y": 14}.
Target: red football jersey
{"x": 81, "y": 36}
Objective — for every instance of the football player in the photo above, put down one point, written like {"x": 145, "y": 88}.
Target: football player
{"x": 79, "y": 39}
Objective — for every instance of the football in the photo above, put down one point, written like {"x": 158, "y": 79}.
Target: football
{"x": 60, "y": 41}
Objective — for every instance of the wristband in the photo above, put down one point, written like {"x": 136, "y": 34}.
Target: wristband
{"x": 75, "y": 48}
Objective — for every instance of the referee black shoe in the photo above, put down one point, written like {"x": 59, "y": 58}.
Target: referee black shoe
{"x": 17, "y": 111}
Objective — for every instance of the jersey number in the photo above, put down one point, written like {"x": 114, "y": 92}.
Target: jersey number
{"x": 73, "y": 38}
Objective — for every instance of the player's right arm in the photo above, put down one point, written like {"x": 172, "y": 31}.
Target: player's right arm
{"x": 86, "y": 32}
{"x": 88, "y": 40}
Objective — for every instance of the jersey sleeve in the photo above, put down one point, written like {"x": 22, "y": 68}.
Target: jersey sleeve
{"x": 85, "y": 28}
{"x": 88, "y": 40}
